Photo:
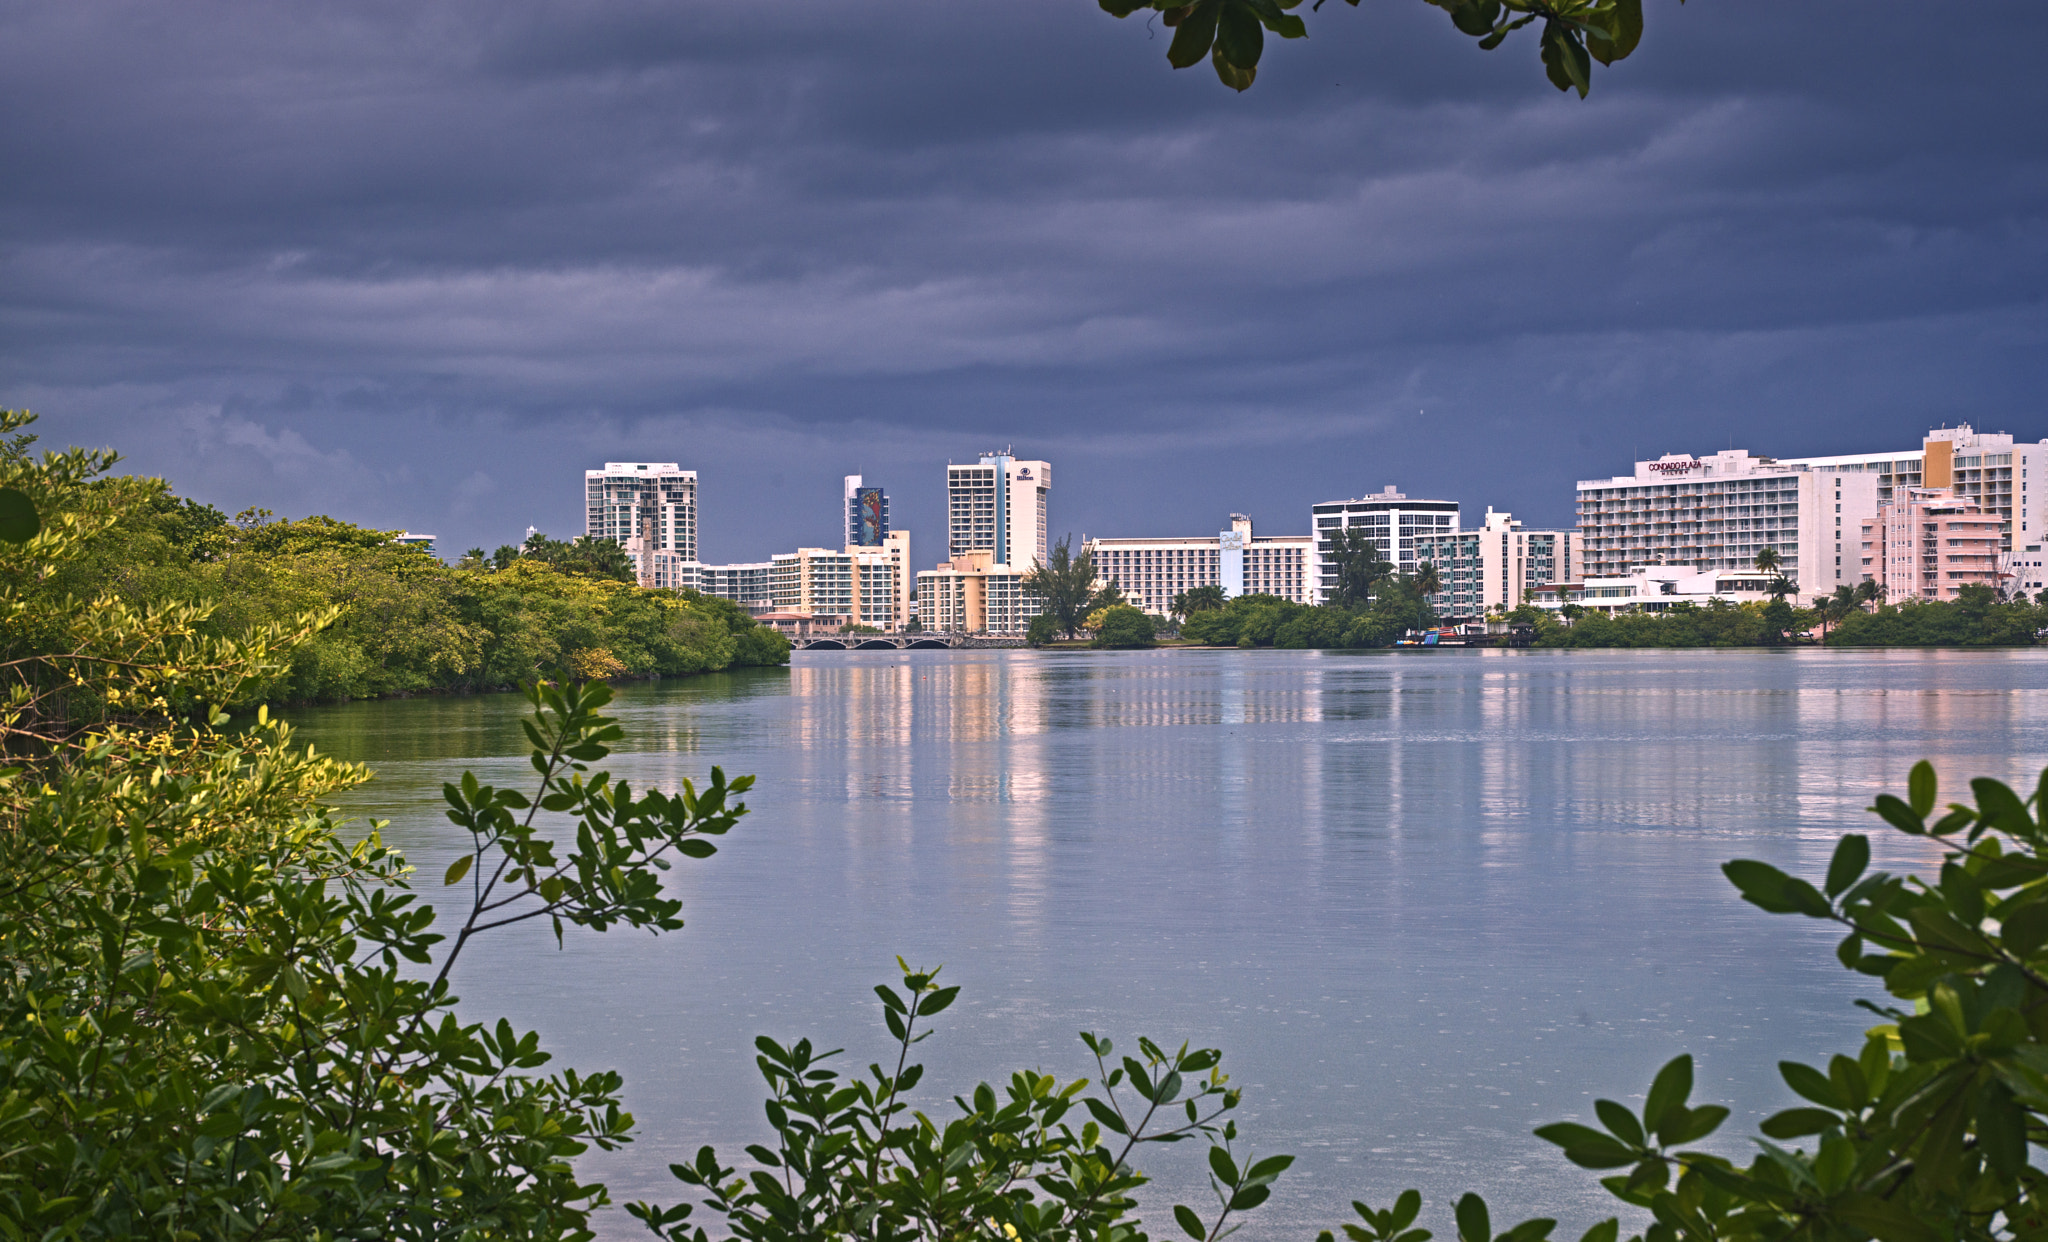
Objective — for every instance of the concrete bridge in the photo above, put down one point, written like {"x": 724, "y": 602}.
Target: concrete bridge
{"x": 901, "y": 642}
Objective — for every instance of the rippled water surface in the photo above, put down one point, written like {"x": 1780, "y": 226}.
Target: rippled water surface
{"x": 1423, "y": 900}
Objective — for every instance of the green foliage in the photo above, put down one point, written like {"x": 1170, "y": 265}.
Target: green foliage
{"x": 1359, "y": 565}
{"x": 1042, "y": 630}
{"x": 1231, "y": 34}
{"x": 851, "y": 1159}
{"x": 1198, "y": 599}
{"x": 1066, "y": 587}
{"x": 1125, "y": 626}
{"x": 1718, "y": 624}
{"x": 1270, "y": 621}
{"x": 591, "y": 558}
{"x": 364, "y": 616}
{"x": 213, "y": 1022}
{"x": 1976, "y": 619}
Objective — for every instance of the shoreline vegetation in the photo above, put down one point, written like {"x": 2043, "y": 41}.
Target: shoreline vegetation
{"x": 1978, "y": 619}
{"x": 398, "y": 621}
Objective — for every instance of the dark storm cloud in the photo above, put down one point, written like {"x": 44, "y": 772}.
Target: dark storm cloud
{"x": 420, "y": 264}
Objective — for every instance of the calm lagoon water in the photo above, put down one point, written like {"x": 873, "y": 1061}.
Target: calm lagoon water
{"x": 1424, "y": 901}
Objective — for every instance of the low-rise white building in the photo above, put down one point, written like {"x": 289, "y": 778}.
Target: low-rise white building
{"x": 1150, "y": 572}
{"x": 751, "y": 584}
{"x": 1655, "y": 588}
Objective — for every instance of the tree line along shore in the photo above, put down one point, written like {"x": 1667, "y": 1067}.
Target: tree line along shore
{"x": 401, "y": 622}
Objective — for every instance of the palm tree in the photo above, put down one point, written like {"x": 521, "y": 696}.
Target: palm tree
{"x": 1780, "y": 586}
{"x": 1832, "y": 608}
{"x": 1066, "y": 584}
{"x": 1869, "y": 591}
{"x": 1426, "y": 579}
{"x": 1766, "y": 559}
{"x": 1207, "y": 598}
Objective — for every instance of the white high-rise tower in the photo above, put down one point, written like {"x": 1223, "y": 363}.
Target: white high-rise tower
{"x": 649, "y": 508}
{"x": 997, "y": 506}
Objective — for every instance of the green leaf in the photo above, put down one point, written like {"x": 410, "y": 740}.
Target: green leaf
{"x": 1105, "y": 1114}
{"x": 936, "y": 1001}
{"x": 1698, "y": 1124}
{"x": 458, "y": 869}
{"x": 2026, "y": 929}
{"x": 1239, "y": 35}
{"x": 1627, "y": 30}
{"x": 1190, "y": 1223}
{"x": 1197, "y": 30}
{"x": 19, "y": 522}
{"x": 1900, "y": 816}
{"x": 1771, "y": 889}
{"x": 1794, "y": 1122}
{"x": 1406, "y": 1209}
{"x": 1221, "y": 1164}
{"x": 1474, "y": 1225}
{"x": 2002, "y": 1129}
{"x": 1476, "y": 17}
{"x": 2001, "y": 808}
{"x": 1606, "y": 1231}
{"x": 1812, "y": 1084}
{"x": 1236, "y": 77}
{"x": 1669, "y": 1090}
{"x": 1921, "y": 789}
{"x": 1884, "y": 1220}
{"x": 1852, "y": 855}
{"x": 1619, "y": 1121}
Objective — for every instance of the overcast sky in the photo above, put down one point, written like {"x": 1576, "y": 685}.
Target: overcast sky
{"x": 419, "y": 264}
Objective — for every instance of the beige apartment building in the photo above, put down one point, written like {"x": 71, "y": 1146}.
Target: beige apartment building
{"x": 975, "y": 594}
{"x": 860, "y": 587}
{"x": 1928, "y": 543}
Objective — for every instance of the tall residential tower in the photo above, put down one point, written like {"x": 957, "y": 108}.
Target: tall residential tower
{"x": 867, "y": 514}
{"x": 649, "y": 508}
{"x": 998, "y": 506}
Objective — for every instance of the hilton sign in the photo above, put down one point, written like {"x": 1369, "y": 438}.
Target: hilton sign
{"x": 1676, "y": 467}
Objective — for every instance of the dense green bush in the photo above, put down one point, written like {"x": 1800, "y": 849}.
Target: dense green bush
{"x": 1125, "y": 626}
{"x": 1270, "y": 621}
{"x": 1976, "y": 619}
{"x": 1718, "y": 624}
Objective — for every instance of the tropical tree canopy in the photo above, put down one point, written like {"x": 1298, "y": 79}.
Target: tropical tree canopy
{"x": 1066, "y": 587}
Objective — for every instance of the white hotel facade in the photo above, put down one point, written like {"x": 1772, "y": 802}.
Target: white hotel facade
{"x": 996, "y": 532}
{"x": 1391, "y": 519}
{"x": 1715, "y": 513}
{"x": 1151, "y": 572}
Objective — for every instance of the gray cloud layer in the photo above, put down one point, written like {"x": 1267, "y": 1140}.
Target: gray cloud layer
{"x": 419, "y": 264}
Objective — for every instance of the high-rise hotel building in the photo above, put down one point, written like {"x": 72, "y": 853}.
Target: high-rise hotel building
{"x": 1718, "y": 512}
{"x": 1391, "y": 519}
{"x": 997, "y": 506}
{"x": 996, "y": 533}
{"x": 649, "y": 508}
